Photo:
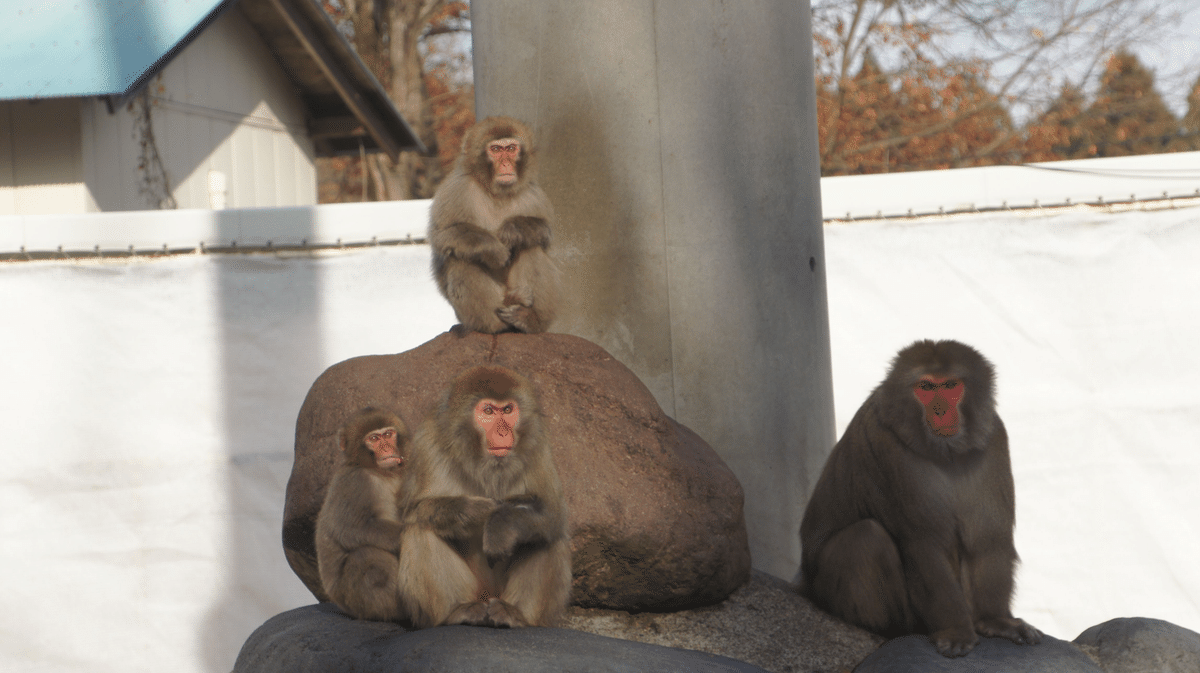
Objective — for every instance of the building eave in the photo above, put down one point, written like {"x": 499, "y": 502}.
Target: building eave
{"x": 349, "y": 110}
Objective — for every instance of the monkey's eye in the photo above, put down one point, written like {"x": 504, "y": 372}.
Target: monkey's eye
{"x": 508, "y": 409}
{"x": 489, "y": 409}
{"x": 373, "y": 437}
{"x": 950, "y": 384}
{"x": 388, "y": 434}
{"x": 927, "y": 385}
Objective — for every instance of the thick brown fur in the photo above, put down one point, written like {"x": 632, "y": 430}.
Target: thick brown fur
{"x": 909, "y": 532}
{"x": 490, "y": 241}
{"x": 358, "y": 528}
{"x": 485, "y": 539}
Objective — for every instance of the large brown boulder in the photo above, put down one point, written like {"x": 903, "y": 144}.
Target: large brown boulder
{"x": 655, "y": 515}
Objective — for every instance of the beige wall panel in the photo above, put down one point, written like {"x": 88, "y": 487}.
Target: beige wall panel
{"x": 282, "y": 155}
{"x": 8, "y": 191}
{"x": 109, "y": 157}
{"x": 264, "y": 167}
{"x": 41, "y": 158}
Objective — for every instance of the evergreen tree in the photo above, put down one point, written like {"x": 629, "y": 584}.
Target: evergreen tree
{"x": 1059, "y": 133}
{"x": 1191, "y": 120}
{"x": 1128, "y": 116}
{"x": 868, "y": 114}
{"x": 952, "y": 120}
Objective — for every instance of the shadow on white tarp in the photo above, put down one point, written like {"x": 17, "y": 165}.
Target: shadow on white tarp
{"x": 150, "y": 409}
{"x": 150, "y": 404}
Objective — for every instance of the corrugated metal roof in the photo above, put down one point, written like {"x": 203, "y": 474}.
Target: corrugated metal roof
{"x": 53, "y": 48}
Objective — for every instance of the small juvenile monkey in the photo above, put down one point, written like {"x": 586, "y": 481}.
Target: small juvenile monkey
{"x": 358, "y": 528}
{"x": 910, "y": 526}
{"x": 489, "y": 229}
{"x": 485, "y": 537}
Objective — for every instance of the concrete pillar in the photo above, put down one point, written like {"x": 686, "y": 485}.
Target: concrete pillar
{"x": 679, "y": 146}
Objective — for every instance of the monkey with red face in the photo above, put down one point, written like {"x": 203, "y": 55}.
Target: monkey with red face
{"x": 489, "y": 229}
{"x": 910, "y": 526}
{"x": 485, "y": 537}
{"x": 358, "y": 528}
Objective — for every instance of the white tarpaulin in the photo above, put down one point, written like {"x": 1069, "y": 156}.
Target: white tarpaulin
{"x": 149, "y": 408}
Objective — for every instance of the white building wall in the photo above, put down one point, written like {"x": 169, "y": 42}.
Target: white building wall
{"x": 223, "y": 105}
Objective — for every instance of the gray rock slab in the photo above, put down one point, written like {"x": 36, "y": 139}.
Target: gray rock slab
{"x": 915, "y": 654}
{"x": 322, "y": 639}
{"x": 765, "y": 623}
{"x": 1141, "y": 645}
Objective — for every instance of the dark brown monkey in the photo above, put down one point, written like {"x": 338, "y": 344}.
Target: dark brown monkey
{"x": 358, "y": 529}
{"x": 489, "y": 228}
{"x": 485, "y": 537}
{"x": 910, "y": 527}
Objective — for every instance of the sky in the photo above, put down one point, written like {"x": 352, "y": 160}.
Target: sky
{"x": 1172, "y": 54}
{"x": 1176, "y": 60}
{"x": 1169, "y": 44}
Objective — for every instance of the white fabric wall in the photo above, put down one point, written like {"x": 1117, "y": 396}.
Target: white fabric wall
{"x": 149, "y": 408}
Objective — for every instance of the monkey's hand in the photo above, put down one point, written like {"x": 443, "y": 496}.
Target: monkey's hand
{"x": 378, "y": 533}
{"x": 1012, "y": 628}
{"x": 454, "y": 517}
{"x": 514, "y": 522}
{"x": 524, "y": 231}
{"x": 469, "y": 242}
{"x": 954, "y": 641}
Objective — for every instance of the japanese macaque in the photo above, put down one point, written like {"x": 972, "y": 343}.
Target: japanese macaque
{"x": 358, "y": 529}
{"x": 489, "y": 228}
{"x": 485, "y": 537}
{"x": 910, "y": 526}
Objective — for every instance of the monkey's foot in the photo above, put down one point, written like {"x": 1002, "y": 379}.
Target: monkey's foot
{"x": 485, "y": 323}
{"x": 474, "y": 613}
{"x": 955, "y": 642}
{"x": 1011, "y": 628}
{"x": 522, "y": 318}
{"x": 504, "y": 615}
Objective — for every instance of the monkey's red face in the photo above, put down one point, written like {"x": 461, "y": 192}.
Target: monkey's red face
{"x": 504, "y": 154}
{"x": 497, "y": 421}
{"x": 940, "y": 396}
{"x": 382, "y": 443}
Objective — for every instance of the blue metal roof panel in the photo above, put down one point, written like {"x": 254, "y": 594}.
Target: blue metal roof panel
{"x": 54, "y": 48}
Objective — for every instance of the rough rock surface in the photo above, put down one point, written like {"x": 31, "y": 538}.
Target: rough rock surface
{"x": 322, "y": 639}
{"x": 1141, "y": 645}
{"x": 655, "y": 515}
{"x": 765, "y": 623}
{"x": 915, "y": 654}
